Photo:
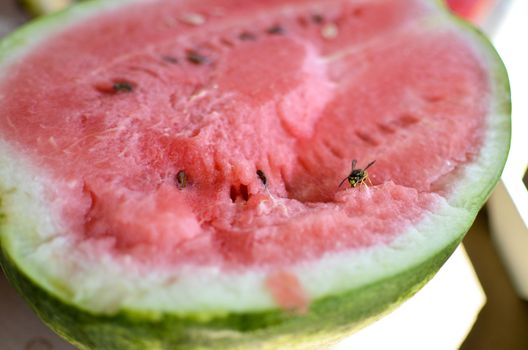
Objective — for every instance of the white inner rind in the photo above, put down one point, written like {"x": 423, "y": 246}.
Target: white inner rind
{"x": 106, "y": 283}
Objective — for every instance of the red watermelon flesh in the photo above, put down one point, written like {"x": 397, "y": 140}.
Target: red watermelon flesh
{"x": 222, "y": 89}
{"x": 472, "y": 10}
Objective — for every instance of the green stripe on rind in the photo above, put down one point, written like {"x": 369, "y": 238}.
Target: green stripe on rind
{"x": 327, "y": 320}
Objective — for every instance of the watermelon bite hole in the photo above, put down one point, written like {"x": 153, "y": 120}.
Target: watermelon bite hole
{"x": 240, "y": 191}
{"x": 113, "y": 130}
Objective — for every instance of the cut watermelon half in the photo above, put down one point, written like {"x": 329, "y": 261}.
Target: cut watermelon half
{"x": 169, "y": 171}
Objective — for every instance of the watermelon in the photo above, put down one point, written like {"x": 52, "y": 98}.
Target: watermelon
{"x": 169, "y": 171}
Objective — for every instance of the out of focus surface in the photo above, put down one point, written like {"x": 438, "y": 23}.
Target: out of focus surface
{"x": 503, "y": 322}
{"x": 508, "y": 207}
{"x": 500, "y": 257}
{"x": 11, "y": 16}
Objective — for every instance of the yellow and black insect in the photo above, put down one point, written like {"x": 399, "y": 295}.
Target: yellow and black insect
{"x": 357, "y": 176}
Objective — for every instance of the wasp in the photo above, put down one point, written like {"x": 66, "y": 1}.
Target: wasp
{"x": 357, "y": 176}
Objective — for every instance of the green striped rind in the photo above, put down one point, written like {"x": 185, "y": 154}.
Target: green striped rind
{"x": 327, "y": 320}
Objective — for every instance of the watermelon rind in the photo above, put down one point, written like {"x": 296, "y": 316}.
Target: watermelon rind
{"x": 329, "y": 319}
{"x": 353, "y": 295}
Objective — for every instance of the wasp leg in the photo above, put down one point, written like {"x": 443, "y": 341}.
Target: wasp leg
{"x": 364, "y": 183}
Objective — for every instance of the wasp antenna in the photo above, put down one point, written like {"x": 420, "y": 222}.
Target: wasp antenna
{"x": 369, "y": 164}
{"x": 342, "y": 182}
{"x": 354, "y": 164}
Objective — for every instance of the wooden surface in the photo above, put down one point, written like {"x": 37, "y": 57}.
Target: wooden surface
{"x": 503, "y": 322}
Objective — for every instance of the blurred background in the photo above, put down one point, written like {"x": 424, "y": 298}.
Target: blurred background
{"x": 497, "y": 244}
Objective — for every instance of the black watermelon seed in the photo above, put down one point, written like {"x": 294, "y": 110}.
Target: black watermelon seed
{"x": 170, "y": 59}
{"x": 122, "y": 86}
{"x": 181, "y": 179}
{"x": 262, "y": 177}
{"x": 247, "y": 36}
{"x": 276, "y": 30}
{"x": 196, "y": 58}
{"x": 318, "y": 19}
